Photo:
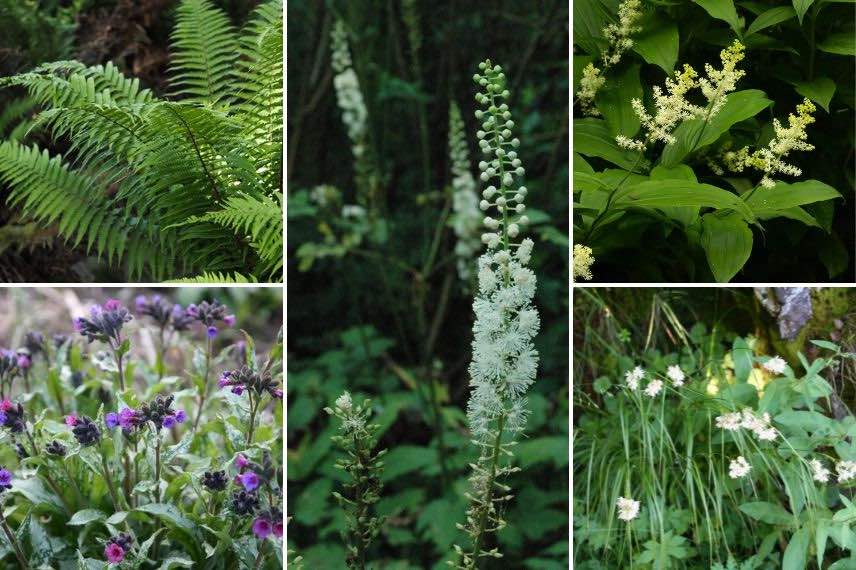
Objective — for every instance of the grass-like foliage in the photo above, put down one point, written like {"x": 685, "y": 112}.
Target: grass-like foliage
{"x": 711, "y": 455}
{"x": 171, "y": 188}
{"x": 121, "y": 449}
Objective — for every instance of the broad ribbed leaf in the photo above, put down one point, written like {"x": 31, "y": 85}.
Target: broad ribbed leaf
{"x": 841, "y": 43}
{"x": 771, "y": 17}
{"x": 669, "y": 193}
{"x": 797, "y": 550}
{"x": 722, "y": 10}
{"x": 614, "y": 102}
{"x": 801, "y": 7}
{"x": 592, "y": 138}
{"x": 820, "y": 90}
{"x": 783, "y": 196}
{"x": 727, "y": 243}
{"x": 657, "y": 43}
{"x": 692, "y": 135}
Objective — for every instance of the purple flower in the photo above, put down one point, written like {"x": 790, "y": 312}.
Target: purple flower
{"x": 111, "y": 420}
{"x": 192, "y": 310}
{"x": 114, "y": 553}
{"x": 238, "y": 389}
{"x": 77, "y": 323}
{"x": 212, "y": 331}
{"x": 127, "y": 418}
{"x": 241, "y": 462}
{"x": 3, "y": 418}
{"x": 169, "y": 421}
{"x": 112, "y": 305}
{"x": 71, "y": 420}
{"x": 229, "y": 320}
{"x": 225, "y": 379}
{"x": 23, "y": 361}
{"x": 140, "y": 303}
{"x": 262, "y": 528}
{"x": 180, "y": 416}
{"x": 5, "y": 479}
{"x": 277, "y": 529}
{"x": 249, "y": 480}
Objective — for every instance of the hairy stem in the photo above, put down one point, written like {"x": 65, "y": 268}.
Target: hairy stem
{"x": 19, "y": 554}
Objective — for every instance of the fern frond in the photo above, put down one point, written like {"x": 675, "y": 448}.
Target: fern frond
{"x": 15, "y": 115}
{"x": 259, "y": 106}
{"x": 216, "y": 278}
{"x": 49, "y": 192}
{"x": 205, "y": 52}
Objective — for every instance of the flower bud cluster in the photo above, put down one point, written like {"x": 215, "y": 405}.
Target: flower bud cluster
{"x": 56, "y": 449}
{"x": 12, "y": 416}
{"x": 467, "y": 220}
{"x": 364, "y": 467}
{"x": 85, "y": 430}
{"x": 348, "y": 94}
{"x": 582, "y": 262}
{"x": 164, "y": 313}
{"x": 210, "y": 315}
{"x": 215, "y": 480}
{"x": 245, "y": 378}
{"x": 105, "y": 322}
{"x": 118, "y": 547}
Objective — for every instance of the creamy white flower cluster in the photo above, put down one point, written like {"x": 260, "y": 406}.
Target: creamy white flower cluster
{"x": 672, "y": 106}
{"x": 628, "y": 509}
{"x": 618, "y": 36}
{"x": 769, "y": 159}
{"x": 656, "y": 385}
{"x": 739, "y": 468}
{"x": 348, "y": 94}
{"x": 466, "y": 223}
{"x": 758, "y": 425}
{"x": 582, "y": 262}
{"x": 504, "y": 359}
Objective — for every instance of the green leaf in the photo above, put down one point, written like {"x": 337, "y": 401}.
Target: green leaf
{"x": 543, "y": 449}
{"x": 670, "y": 193}
{"x": 685, "y": 215}
{"x": 801, "y": 7}
{"x": 722, "y": 10}
{"x": 117, "y": 518}
{"x": 727, "y": 242}
{"x": 739, "y": 106}
{"x": 592, "y": 138}
{"x": 827, "y": 345}
{"x": 771, "y": 17}
{"x": 769, "y": 513}
{"x": 436, "y": 523}
{"x": 657, "y": 43}
{"x": 86, "y": 516}
{"x": 172, "y": 516}
{"x": 614, "y": 102}
{"x": 841, "y": 43}
{"x": 795, "y": 213}
{"x": 797, "y": 551}
{"x": 783, "y": 196}
{"x": 741, "y": 354}
{"x": 820, "y": 90}
{"x": 404, "y": 459}
{"x": 590, "y": 17}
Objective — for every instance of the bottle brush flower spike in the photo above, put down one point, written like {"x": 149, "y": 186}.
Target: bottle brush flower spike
{"x": 504, "y": 361}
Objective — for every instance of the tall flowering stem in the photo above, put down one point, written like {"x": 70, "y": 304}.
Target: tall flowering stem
{"x": 504, "y": 361}
{"x": 364, "y": 467}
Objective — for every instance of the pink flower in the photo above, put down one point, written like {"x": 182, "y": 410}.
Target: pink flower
{"x": 71, "y": 420}
{"x": 277, "y": 529}
{"x": 229, "y": 320}
{"x": 23, "y": 361}
{"x": 114, "y": 553}
{"x": 249, "y": 480}
{"x": 241, "y": 461}
{"x": 262, "y": 528}
{"x": 6, "y": 405}
{"x": 112, "y": 304}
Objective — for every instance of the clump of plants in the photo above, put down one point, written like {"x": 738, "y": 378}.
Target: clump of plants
{"x": 185, "y": 187}
{"x": 712, "y": 456}
{"x": 121, "y": 460}
{"x": 703, "y": 163}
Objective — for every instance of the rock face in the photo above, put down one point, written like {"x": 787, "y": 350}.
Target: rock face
{"x": 790, "y": 305}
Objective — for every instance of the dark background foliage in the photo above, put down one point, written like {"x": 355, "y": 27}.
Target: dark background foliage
{"x": 776, "y": 57}
{"x": 362, "y": 323}
{"x": 134, "y": 35}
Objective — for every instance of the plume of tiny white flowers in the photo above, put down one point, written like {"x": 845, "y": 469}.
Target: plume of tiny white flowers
{"x": 671, "y": 108}
{"x": 582, "y": 262}
{"x": 653, "y": 388}
{"x": 775, "y": 365}
{"x": 504, "y": 362}
{"x": 720, "y": 82}
{"x": 348, "y": 94}
{"x": 466, "y": 223}
{"x": 739, "y": 468}
{"x": 730, "y": 422}
{"x": 628, "y": 509}
{"x": 846, "y": 470}
{"x": 819, "y": 472}
{"x": 632, "y": 377}
{"x": 676, "y": 375}
{"x": 794, "y": 137}
{"x": 618, "y": 36}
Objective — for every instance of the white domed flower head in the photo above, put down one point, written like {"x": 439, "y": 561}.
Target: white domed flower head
{"x": 632, "y": 377}
{"x": 729, "y": 422}
{"x": 819, "y": 472}
{"x": 344, "y": 402}
{"x": 628, "y": 509}
{"x": 846, "y": 470}
{"x": 653, "y": 388}
{"x": 676, "y": 375}
{"x": 776, "y": 365}
{"x": 739, "y": 468}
